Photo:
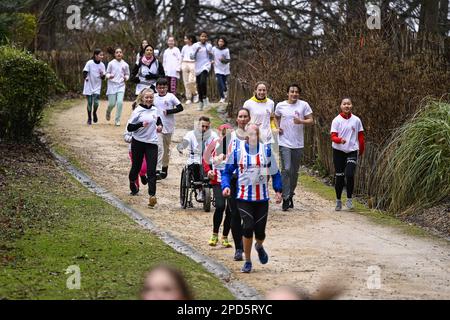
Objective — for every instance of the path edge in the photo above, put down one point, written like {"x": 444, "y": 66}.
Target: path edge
{"x": 240, "y": 290}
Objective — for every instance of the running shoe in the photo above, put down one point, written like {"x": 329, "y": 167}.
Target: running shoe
{"x": 291, "y": 203}
{"x": 144, "y": 180}
{"x": 196, "y": 98}
{"x": 117, "y": 123}
{"x": 95, "y": 117}
{"x": 152, "y": 202}
{"x": 134, "y": 189}
{"x": 222, "y": 100}
{"x": 108, "y": 116}
{"x": 247, "y": 267}
{"x": 89, "y": 122}
{"x": 238, "y": 255}
{"x": 226, "y": 243}
{"x": 200, "y": 106}
{"x": 338, "y": 205}
{"x": 285, "y": 205}
{"x": 262, "y": 254}
{"x": 188, "y": 102}
{"x": 158, "y": 175}
{"x": 213, "y": 241}
{"x": 349, "y": 204}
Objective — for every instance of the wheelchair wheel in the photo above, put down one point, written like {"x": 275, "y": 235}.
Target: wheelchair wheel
{"x": 184, "y": 188}
{"x": 206, "y": 199}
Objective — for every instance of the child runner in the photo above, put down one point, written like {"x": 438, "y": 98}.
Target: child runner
{"x": 188, "y": 68}
{"x": 167, "y": 105}
{"x": 254, "y": 162}
{"x": 145, "y": 124}
{"x": 202, "y": 54}
{"x": 93, "y": 74}
{"x": 222, "y": 67}
{"x": 128, "y": 136}
{"x": 117, "y": 73}
{"x": 172, "y": 64}
{"x": 214, "y": 162}
{"x": 347, "y": 136}
{"x": 291, "y": 115}
{"x": 147, "y": 71}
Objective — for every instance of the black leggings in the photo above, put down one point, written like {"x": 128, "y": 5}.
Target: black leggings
{"x": 236, "y": 221}
{"x": 202, "y": 80}
{"x": 138, "y": 150}
{"x": 254, "y": 217}
{"x": 221, "y": 206}
{"x": 345, "y": 167}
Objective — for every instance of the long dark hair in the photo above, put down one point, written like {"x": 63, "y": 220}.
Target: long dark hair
{"x": 96, "y": 53}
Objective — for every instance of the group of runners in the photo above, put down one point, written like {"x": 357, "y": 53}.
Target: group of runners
{"x": 239, "y": 162}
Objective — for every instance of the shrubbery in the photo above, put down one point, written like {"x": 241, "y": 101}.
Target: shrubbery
{"x": 26, "y": 84}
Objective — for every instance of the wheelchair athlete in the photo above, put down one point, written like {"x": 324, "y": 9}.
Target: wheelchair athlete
{"x": 196, "y": 142}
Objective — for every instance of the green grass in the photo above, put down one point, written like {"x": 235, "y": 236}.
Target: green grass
{"x": 215, "y": 117}
{"x": 313, "y": 184}
{"x": 49, "y": 221}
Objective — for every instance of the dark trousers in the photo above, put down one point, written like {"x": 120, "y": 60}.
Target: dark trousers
{"x": 254, "y": 218}
{"x": 221, "y": 84}
{"x": 345, "y": 167}
{"x": 221, "y": 206}
{"x": 236, "y": 221}
{"x": 202, "y": 80}
{"x": 138, "y": 150}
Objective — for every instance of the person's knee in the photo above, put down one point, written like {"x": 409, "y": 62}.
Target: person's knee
{"x": 260, "y": 235}
{"x": 247, "y": 231}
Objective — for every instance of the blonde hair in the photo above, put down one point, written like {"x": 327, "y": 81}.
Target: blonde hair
{"x": 140, "y": 97}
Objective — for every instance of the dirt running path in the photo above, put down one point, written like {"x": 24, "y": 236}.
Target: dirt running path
{"x": 306, "y": 246}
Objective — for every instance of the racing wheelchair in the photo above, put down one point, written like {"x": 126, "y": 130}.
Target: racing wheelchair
{"x": 193, "y": 182}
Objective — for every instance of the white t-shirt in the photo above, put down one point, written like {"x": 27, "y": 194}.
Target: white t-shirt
{"x": 121, "y": 72}
{"x": 186, "y": 53}
{"x": 347, "y": 129}
{"x": 292, "y": 136}
{"x": 93, "y": 85}
{"x": 260, "y": 114}
{"x": 167, "y": 102}
{"x": 195, "y": 147}
{"x": 146, "y": 134}
{"x": 219, "y": 67}
{"x": 201, "y": 54}
{"x": 172, "y": 62}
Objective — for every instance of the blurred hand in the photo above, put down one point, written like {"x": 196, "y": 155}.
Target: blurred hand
{"x": 211, "y": 174}
{"x": 298, "y": 121}
{"x": 145, "y": 124}
{"x": 159, "y": 129}
{"x": 278, "y": 197}
{"x": 343, "y": 141}
{"x": 226, "y": 192}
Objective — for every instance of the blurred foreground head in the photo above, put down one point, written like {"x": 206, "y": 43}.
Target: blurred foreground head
{"x": 165, "y": 283}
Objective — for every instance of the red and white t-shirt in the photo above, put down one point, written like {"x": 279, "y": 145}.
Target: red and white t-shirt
{"x": 347, "y": 129}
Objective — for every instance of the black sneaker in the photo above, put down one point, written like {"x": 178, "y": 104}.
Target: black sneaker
{"x": 164, "y": 172}
{"x": 285, "y": 205}
{"x": 134, "y": 189}
{"x": 158, "y": 175}
{"x": 291, "y": 203}
{"x": 144, "y": 180}
{"x": 95, "y": 117}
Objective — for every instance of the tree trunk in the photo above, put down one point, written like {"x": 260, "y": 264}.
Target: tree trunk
{"x": 190, "y": 13}
{"x": 356, "y": 11}
{"x": 444, "y": 25}
{"x": 429, "y": 16}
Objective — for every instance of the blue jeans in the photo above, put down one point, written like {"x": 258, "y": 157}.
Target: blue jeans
{"x": 222, "y": 84}
{"x": 114, "y": 99}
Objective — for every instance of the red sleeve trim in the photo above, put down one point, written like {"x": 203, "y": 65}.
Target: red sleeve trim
{"x": 361, "y": 142}
{"x": 335, "y": 138}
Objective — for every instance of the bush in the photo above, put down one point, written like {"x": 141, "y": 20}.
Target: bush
{"x": 414, "y": 169}
{"x": 26, "y": 84}
{"x": 17, "y": 28}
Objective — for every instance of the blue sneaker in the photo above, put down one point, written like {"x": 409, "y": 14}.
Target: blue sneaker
{"x": 247, "y": 267}
{"x": 238, "y": 255}
{"x": 262, "y": 254}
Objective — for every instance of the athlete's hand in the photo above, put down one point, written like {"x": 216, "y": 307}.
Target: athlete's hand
{"x": 226, "y": 192}
{"x": 298, "y": 121}
{"x": 165, "y": 112}
{"x": 211, "y": 174}
{"x": 343, "y": 141}
{"x": 145, "y": 124}
{"x": 159, "y": 129}
{"x": 278, "y": 197}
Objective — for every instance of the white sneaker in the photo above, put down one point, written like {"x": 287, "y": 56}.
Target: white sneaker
{"x": 117, "y": 123}
{"x": 205, "y": 102}
{"x": 349, "y": 204}
{"x": 188, "y": 101}
{"x": 225, "y": 93}
{"x": 196, "y": 98}
{"x": 200, "y": 106}
{"x": 222, "y": 100}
